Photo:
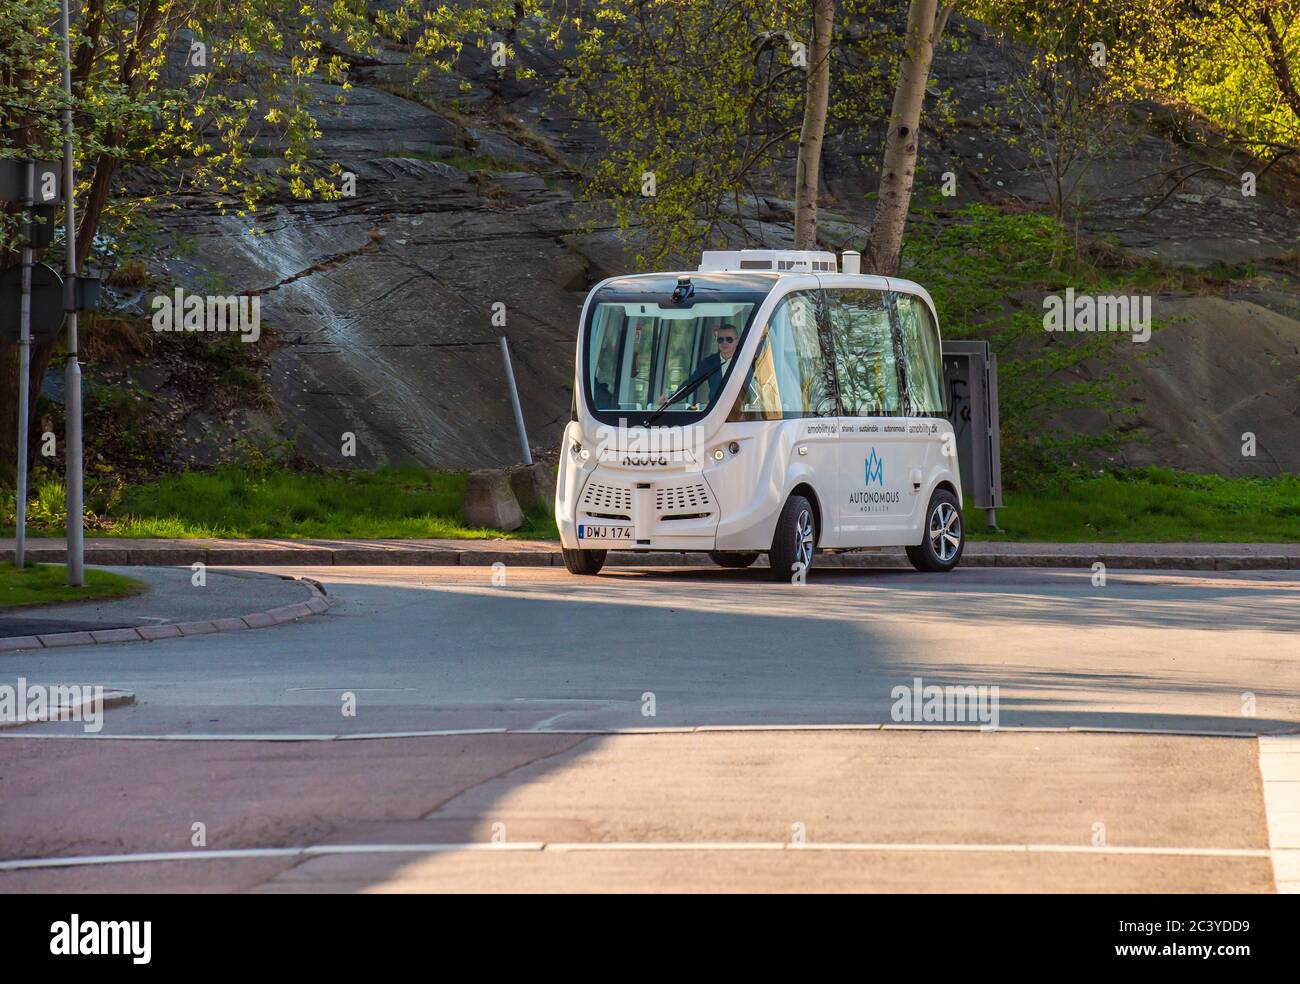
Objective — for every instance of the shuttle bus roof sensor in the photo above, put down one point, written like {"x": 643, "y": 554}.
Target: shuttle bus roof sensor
{"x": 774, "y": 260}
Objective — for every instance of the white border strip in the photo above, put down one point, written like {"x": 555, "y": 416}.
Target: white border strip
{"x": 320, "y": 850}
{"x": 1279, "y": 768}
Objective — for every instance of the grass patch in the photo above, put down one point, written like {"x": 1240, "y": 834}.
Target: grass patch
{"x": 1149, "y": 505}
{"x": 110, "y": 337}
{"x": 44, "y": 584}
{"x": 130, "y": 274}
{"x": 1141, "y": 505}
{"x": 235, "y": 502}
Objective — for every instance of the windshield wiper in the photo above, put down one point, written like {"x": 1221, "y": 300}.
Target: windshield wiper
{"x": 684, "y": 389}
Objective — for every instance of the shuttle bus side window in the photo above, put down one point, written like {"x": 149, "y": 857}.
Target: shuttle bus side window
{"x": 866, "y": 357}
{"x": 921, "y": 352}
{"x": 606, "y": 361}
{"x": 642, "y": 360}
{"x": 679, "y": 344}
{"x": 760, "y": 399}
{"x": 790, "y": 376}
{"x": 826, "y": 301}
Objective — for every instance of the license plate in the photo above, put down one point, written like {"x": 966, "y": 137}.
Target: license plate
{"x": 589, "y": 532}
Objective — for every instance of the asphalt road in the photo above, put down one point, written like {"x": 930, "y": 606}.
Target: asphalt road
{"x": 774, "y": 797}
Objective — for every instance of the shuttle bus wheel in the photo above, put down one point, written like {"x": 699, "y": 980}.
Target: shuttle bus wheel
{"x": 732, "y": 559}
{"x": 583, "y": 561}
{"x": 945, "y": 539}
{"x": 795, "y": 539}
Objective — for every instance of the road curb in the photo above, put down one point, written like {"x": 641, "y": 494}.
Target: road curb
{"x": 317, "y": 604}
{"x": 548, "y": 555}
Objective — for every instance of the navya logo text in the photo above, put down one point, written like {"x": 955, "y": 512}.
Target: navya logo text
{"x": 644, "y": 462}
{"x": 879, "y": 501}
{"x": 875, "y": 469}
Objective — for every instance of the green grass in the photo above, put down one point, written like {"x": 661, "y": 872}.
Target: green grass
{"x": 386, "y": 503}
{"x": 43, "y": 584}
{"x": 1141, "y": 505}
{"x": 1149, "y": 505}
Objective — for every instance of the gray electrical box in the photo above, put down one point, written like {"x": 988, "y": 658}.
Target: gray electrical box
{"x": 970, "y": 373}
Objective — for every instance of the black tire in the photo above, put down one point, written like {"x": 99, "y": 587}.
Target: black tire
{"x": 583, "y": 561}
{"x": 795, "y": 539}
{"x": 732, "y": 559}
{"x": 943, "y": 520}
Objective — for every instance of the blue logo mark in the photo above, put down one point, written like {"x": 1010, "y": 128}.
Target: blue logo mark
{"x": 875, "y": 469}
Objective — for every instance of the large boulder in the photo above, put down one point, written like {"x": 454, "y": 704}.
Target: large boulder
{"x": 489, "y": 501}
{"x": 534, "y": 486}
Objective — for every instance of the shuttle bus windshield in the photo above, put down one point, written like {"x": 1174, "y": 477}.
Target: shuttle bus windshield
{"x": 648, "y": 360}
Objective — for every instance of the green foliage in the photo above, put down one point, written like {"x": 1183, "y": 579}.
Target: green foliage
{"x": 1150, "y": 505}
{"x": 1062, "y": 97}
{"x": 242, "y": 380}
{"x": 209, "y": 88}
{"x": 988, "y": 273}
{"x": 118, "y": 407}
{"x": 47, "y": 510}
{"x": 1236, "y": 62}
{"x": 708, "y": 98}
{"x": 49, "y": 507}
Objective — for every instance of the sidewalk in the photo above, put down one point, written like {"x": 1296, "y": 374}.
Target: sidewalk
{"x": 546, "y": 553}
{"x": 171, "y": 606}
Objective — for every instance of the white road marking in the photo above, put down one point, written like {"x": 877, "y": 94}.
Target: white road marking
{"x": 319, "y": 850}
{"x": 1279, "y": 767}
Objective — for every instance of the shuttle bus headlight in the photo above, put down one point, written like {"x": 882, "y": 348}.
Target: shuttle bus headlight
{"x": 733, "y": 447}
{"x": 719, "y": 454}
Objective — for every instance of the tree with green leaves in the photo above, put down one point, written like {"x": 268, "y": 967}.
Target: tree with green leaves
{"x": 200, "y": 90}
{"x": 1235, "y": 61}
{"x": 711, "y": 108}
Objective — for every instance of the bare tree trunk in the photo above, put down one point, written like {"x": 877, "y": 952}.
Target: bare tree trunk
{"x": 83, "y": 61}
{"x": 926, "y": 20}
{"x": 814, "y": 126}
{"x": 1277, "y": 61}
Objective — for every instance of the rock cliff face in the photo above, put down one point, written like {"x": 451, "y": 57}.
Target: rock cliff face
{"x": 379, "y": 306}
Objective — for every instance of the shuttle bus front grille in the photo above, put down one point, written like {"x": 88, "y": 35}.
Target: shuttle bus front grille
{"x": 682, "y": 497}
{"x": 607, "y": 498}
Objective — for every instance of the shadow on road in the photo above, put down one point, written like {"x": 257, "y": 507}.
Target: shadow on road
{"x": 544, "y": 653}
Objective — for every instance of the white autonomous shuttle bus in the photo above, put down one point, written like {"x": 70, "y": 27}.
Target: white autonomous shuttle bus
{"x": 764, "y": 403}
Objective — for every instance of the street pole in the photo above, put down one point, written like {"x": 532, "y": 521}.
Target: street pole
{"x": 72, "y": 370}
{"x": 514, "y": 399}
{"x": 24, "y": 365}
